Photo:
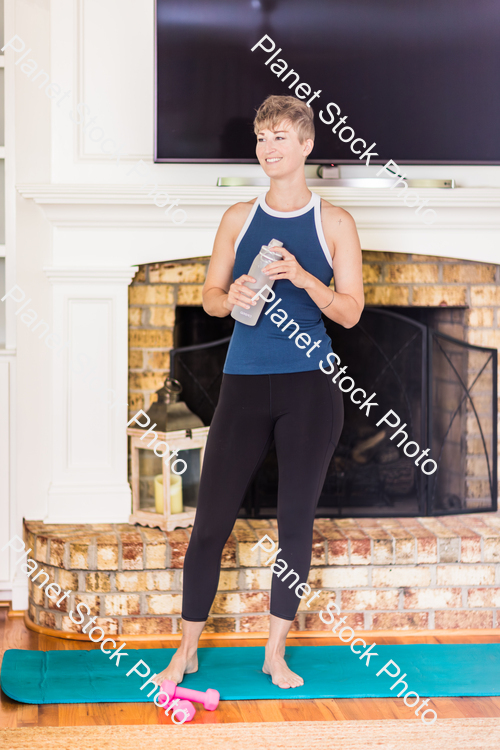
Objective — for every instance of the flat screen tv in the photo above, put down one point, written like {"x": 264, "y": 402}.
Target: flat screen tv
{"x": 418, "y": 78}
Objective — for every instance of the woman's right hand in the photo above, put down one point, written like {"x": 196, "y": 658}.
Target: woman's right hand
{"x": 239, "y": 294}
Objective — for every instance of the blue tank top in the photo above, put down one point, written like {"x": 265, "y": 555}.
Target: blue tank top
{"x": 265, "y": 348}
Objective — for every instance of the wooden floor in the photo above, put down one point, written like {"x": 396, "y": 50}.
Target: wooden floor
{"x": 14, "y": 634}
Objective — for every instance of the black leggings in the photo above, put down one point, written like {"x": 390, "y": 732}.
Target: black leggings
{"x": 304, "y": 412}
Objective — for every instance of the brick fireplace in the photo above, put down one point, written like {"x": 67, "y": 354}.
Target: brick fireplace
{"x": 387, "y": 573}
{"x": 459, "y": 298}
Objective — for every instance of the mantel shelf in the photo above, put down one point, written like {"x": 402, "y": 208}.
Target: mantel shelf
{"x": 211, "y": 195}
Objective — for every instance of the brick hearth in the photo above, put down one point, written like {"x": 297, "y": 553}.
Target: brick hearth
{"x": 418, "y": 573}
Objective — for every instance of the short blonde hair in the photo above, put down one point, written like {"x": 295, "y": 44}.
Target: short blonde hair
{"x": 276, "y": 109}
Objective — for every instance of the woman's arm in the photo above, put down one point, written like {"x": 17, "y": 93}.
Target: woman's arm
{"x": 348, "y": 299}
{"x": 219, "y": 293}
{"x": 345, "y": 305}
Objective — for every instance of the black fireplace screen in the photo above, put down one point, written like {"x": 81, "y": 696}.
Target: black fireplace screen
{"x": 441, "y": 389}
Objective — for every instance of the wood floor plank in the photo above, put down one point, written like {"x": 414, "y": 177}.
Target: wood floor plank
{"x": 301, "y": 710}
{"x": 27, "y": 715}
{"x": 343, "y": 711}
{"x": 328, "y": 709}
{"x": 75, "y": 715}
{"x": 447, "y": 708}
{"x": 126, "y": 713}
{"x": 397, "y": 708}
{"x": 227, "y": 712}
{"x": 8, "y": 712}
{"x": 495, "y": 700}
{"x": 17, "y": 635}
{"x": 91, "y": 714}
{"x": 250, "y": 710}
{"x": 473, "y": 707}
{"x": 368, "y": 708}
{"x": 48, "y": 715}
{"x": 271, "y": 710}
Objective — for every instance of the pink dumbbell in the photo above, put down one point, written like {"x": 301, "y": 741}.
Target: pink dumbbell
{"x": 183, "y": 708}
{"x": 210, "y": 698}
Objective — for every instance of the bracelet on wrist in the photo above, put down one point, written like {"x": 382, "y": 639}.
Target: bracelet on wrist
{"x": 328, "y": 305}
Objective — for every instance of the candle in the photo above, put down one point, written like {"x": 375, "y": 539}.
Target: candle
{"x": 175, "y": 493}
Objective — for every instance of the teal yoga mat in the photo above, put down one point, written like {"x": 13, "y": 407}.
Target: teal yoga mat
{"x": 328, "y": 672}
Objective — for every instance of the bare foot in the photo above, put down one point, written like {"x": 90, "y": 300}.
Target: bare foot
{"x": 281, "y": 675}
{"x": 180, "y": 664}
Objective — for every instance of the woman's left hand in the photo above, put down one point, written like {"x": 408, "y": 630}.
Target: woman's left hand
{"x": 288, "y": 268}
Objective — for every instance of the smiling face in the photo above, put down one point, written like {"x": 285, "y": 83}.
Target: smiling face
{"x": 280, "y": 152}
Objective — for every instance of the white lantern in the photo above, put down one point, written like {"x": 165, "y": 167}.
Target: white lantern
{"x": 163, "y": 483}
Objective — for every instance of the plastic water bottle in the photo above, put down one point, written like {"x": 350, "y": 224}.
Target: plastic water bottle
{"x": 263, "y": 259}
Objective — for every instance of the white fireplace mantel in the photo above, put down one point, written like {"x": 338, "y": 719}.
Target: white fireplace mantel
{"x": 467, "y": 223}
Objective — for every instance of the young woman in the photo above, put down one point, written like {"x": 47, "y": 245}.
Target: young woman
{"x": 271, "y": 386}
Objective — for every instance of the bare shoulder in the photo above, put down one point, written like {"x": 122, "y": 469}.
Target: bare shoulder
{"x": 333, "y": 217}
{"x": 233, "y": 220}
{"x": 238, "y": 213}
{"x": 339, "y": 228}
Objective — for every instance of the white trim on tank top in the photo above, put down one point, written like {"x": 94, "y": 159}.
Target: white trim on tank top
{"x": 284, "y": 214}
{"x": 319, "y": 231}
{"x": 246, "y": 225}
{"x": 314, "y": 202}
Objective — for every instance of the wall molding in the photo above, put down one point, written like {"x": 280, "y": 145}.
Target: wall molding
{"x": 90, "y": 275}
{"x": 89, "y": 394}
{"x": 42, "y": 194}
{"x": 80, "y": 154}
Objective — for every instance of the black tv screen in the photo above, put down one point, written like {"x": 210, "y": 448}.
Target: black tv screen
{"x": 418, "y": 78}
